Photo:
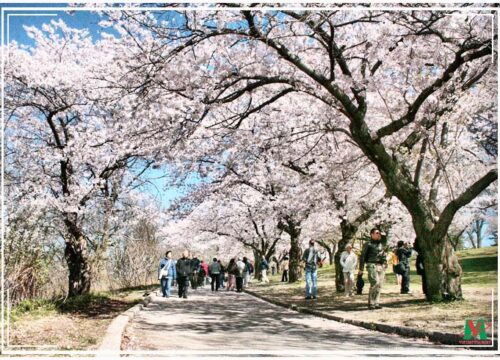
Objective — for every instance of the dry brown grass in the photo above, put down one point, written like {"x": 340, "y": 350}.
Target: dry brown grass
{"x": 80, "y": 327}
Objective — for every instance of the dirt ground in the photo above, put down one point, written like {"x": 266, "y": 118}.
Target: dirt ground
{"x": 77, "y": 329}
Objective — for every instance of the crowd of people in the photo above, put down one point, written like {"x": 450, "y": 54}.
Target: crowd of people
{"x": 237, "y": 273}
{"x": 190, "y": 271}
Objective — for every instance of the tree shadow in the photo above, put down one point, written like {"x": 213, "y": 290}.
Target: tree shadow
{"x": 257, "y": 324}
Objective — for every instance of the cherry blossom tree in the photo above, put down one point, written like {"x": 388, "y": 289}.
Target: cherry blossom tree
{"x": 401, "y": 85}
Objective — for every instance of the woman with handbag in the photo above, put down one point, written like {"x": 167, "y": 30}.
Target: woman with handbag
{"x": 166, "y": 273}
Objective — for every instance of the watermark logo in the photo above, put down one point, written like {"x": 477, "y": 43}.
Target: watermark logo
{"x": 476, "y": 332}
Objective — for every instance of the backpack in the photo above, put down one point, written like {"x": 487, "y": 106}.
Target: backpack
{"x": 399, "y": 268}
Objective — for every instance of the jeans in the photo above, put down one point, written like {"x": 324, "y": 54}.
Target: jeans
{"x": 264, "y": 276}
{"x": 311, "y": 282}
{"x": 183, "y": 284}
{"x": 246, "y": 278}
{"x": 221, "y": 280}
{"x": 405, "y": 281}
{"x": 284, "y": 277}
{"x": 166, "y": 286}
{"x": 215, "y": 282}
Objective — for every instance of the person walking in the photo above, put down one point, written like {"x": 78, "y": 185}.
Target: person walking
{"x": 348, "y": 261}
{"x": 214, "y": 270}
{"x": 246, "y": 272}
{"x": 204, "y": 267}
{"x": 311, "y": 258}
{"x": 374, "y": 256}
{"x": 404, "y": 254}
{"x": 222, "y": 274}
{"x": 285, "y": 266}
{"x": 232, "y": 270}
{"x": 264, "y": 266}
{"x": 240, "y": 265}
{"x": 195, "y": 264}
{"x": 166, "y": 273}
{"x": 184, "y": 270}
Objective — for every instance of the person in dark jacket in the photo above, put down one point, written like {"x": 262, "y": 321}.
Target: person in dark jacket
{"x": 167, "y": 276}
{"x": 195, "y": 264}
{"x": 374, "y": 257}
{"x": 184, "y": 270}
{"x": 419, "y": 264}
{"x": 404, "y": 253}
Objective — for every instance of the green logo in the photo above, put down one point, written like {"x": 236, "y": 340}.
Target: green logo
{"x": 477, "y": 330}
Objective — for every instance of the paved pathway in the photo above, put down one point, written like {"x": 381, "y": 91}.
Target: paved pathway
{"x": 237, "y": 321}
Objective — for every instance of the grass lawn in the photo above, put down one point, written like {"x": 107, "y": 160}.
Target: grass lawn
{"x": 76, "y": 324}
{"x": 478, "y": 281}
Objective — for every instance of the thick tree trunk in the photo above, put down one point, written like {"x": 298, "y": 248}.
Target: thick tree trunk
{"x": 442, "y": 270}
{"x": 295, "y": 272}
{"x": 339, "y": 275}
{"x": 79, "y": 268}
{"x": 77, "y": 259}
{"x": 257, "y": 271}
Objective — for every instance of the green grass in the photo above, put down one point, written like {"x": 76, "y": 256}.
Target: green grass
{"x": 89, "y": 303}
{"x": 486, "y": 251}
{"x": 35, "y": 307}
{"x": 480, "y": 268}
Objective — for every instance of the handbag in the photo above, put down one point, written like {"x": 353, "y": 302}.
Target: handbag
{"x": 164, "y": 270}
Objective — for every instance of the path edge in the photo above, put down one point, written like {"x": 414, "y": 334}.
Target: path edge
{"x": 434, "y": 336}
{"x": 111, "y": 343}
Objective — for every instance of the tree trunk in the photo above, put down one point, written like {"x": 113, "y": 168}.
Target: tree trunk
{"x": 339, "y": 275}
{"x": 295, "y": 272}
{"x": 258, "y": 257}
{"x": 442, "y": 270}
{"x": 77, "y": 259}
{"x": 330, "y": 255}
{"x": 79, "y": 268}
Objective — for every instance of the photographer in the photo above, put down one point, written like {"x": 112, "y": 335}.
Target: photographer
{"x": 404, "y": 253}
{"x": 374, "y": 256}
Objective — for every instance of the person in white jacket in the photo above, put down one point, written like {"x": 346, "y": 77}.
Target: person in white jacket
{"x": 348, "y": 261}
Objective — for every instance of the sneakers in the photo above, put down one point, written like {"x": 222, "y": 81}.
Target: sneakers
{"x": 308, "y": 298}
{"x": 315, "y": 297}
{"x": 374, "y": 307}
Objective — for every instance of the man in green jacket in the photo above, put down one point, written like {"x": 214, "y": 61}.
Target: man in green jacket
{"x": 374, "y": 257}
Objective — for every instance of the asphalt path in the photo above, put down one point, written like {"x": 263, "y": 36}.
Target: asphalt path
{"x": 228, "y": 321}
